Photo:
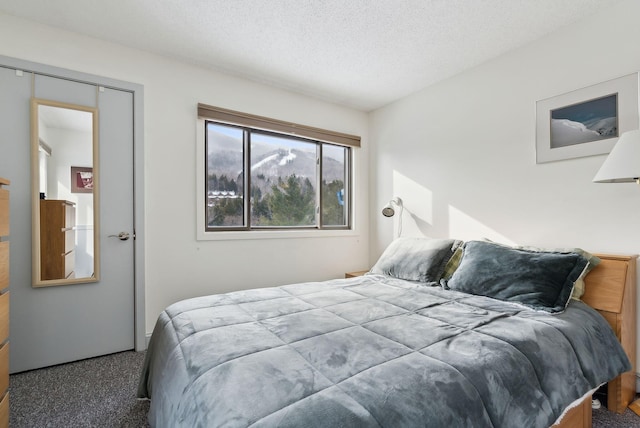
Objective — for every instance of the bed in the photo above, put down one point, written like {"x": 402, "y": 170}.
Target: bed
{"x": 438, "y": 333}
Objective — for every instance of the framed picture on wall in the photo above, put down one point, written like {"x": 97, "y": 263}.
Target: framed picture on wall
{"x": 81, "y": 179}
{"x": 587, "y": 121}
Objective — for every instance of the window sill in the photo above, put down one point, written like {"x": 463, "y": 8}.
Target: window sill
{"x": 273, "y": 234}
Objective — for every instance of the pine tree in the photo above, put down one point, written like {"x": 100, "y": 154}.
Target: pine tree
{"x": 292, "y": 202}
{"x": 332, "y": 211}
{"x": 260, "y": 213}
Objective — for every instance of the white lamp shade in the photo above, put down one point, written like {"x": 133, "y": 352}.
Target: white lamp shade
{"x": 623, "y": 163}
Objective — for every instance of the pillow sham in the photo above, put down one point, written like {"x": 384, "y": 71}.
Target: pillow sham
{"x": 537, "y": 279}
{"x": 416, "y": 259}
{"x": 593, "y": 261}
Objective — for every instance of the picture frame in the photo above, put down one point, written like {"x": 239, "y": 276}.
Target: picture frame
{"x": 81, "y": 179}
{"x": 586, "y": 121}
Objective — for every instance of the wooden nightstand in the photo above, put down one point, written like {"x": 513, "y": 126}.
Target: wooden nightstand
{"x": 354, "y": 274}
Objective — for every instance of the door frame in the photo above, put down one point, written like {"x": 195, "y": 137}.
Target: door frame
{"x": 137, "y": 91}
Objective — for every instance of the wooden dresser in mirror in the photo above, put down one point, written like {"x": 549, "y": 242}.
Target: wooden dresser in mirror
{"x": 57, "y": 239}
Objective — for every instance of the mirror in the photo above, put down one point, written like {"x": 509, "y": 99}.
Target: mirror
{"x": 64, "y": 168}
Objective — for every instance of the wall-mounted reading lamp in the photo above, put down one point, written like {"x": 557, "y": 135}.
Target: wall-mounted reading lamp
{"x": 389, "y": 211}
{"x": 623, "y": 163}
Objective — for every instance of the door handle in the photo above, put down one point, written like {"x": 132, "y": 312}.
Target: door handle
{"x": 123, "y": 236}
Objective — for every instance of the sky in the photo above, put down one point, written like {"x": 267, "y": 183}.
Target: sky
{"x": 598, "y": 108}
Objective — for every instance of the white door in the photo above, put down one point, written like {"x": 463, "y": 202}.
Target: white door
{"x": 58, "y": 324}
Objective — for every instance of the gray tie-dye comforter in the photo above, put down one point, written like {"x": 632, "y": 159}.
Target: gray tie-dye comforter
{"x": 368, "y": 352}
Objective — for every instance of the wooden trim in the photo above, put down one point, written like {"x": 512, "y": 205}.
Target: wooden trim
{"x": 269, "y": 124}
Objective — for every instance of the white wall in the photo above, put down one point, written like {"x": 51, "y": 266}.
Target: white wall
{"x": 461, "y": 154}
{"x": 178, "y": 266}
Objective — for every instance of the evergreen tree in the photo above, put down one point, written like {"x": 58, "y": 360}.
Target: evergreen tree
{"x": 226, "y": 212}
{"x": 213, "y": 182}
{"x": 216, "y": 216}
{"x": 259, "y": 207}
{"x": 292, "y": 202}
{"x": 332, "y": 210}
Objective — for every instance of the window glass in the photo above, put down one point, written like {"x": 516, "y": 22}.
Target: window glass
{"x": 258, "y": 179}
{"x": 334, "y": 195}
{"x": 283, "y": 181}
{"x": 225, "y": 177}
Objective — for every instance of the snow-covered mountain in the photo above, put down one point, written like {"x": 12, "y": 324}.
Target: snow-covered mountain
{"x": 268, "y": 162}
{"x": 285, "y": 162}
{"x": 565, "y": 132}
{"x": 605, "y": 127}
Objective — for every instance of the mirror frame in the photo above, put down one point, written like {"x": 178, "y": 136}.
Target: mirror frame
{"x": 35, "y": 195}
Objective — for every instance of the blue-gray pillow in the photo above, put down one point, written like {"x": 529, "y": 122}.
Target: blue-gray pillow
{"x": 540, "y": 280}
{"x": 593, "y": 261}
{"x": 416, "y": 259}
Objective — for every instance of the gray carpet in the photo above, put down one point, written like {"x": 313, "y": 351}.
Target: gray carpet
{"x": 603, "y": 418}
{"x": 100, "y": 392}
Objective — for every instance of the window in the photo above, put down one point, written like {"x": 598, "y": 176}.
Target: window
{"x": 258, "y": 179}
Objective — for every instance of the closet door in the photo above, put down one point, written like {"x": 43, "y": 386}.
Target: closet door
{"x": 63, "y": 323}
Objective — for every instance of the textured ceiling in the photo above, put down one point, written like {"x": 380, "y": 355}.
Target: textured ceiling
{"x": 359, "y": 53}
